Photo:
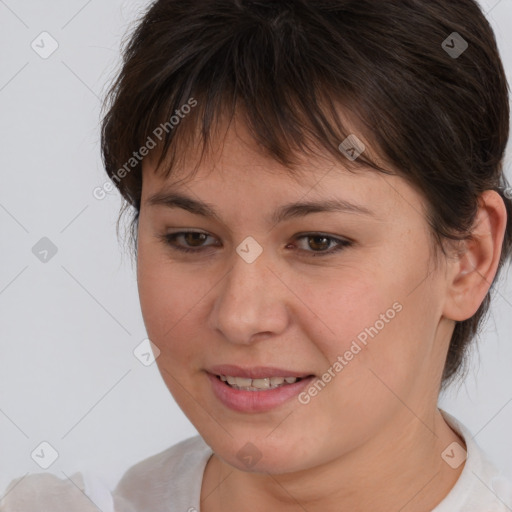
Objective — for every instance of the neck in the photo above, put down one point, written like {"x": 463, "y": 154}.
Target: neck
{"x": 401, "y": 469}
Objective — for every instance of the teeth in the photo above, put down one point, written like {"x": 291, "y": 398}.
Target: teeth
{"x": 242, "y": 382}
{"x": 247, "y": 384}
{"x": 258, "y": 383}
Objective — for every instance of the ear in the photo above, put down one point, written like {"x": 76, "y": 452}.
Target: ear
{"x": 471, "y": 273}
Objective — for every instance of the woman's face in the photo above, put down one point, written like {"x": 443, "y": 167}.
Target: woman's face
{"x": 269, "y": 290}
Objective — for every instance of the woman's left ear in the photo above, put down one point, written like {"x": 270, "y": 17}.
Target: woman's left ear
{"x": 471, "y": 273}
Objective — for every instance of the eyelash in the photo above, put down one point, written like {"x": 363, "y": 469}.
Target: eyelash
{"x": 169, "y": 240}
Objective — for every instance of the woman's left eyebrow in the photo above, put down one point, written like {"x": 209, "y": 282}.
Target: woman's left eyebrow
{"x": 285, "y": 212}
{"x": 301, "y": 209}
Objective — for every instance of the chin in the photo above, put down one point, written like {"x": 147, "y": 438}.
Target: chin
{"x": 262, "y": 455}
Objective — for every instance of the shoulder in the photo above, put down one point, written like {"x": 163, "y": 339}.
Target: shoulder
{"x": 171, "y": 476}
{"x": 82, "y": 492}
{"x": 481, "y": 485}
{"x": 188, "y": 452}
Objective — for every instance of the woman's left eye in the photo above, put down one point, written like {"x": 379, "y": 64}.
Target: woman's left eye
{"x": 195, "y": 240}
{"x": 319, "y": 240}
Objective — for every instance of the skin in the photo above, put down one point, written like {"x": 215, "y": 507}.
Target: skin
{"x": 372, "y": 438}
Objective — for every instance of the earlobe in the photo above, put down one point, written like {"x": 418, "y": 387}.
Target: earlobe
{"x": 473, "y": 271}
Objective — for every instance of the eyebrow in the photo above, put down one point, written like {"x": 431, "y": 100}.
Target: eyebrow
{"x": 283, "y": 213}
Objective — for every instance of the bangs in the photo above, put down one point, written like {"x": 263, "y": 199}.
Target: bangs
{"x": 294, "y": 129}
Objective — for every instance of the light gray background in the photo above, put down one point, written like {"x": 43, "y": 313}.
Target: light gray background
{"x": 68, "y": 375}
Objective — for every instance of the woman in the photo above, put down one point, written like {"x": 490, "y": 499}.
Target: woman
{"x": 320, "y": 212}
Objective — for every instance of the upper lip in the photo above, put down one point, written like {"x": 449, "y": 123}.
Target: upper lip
{"x": 255, "y": 372}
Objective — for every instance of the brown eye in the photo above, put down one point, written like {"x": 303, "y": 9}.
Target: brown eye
{"x": 318, "y": 242}
{"x": 322, "y": 245}
{"x": 194, "y": 239}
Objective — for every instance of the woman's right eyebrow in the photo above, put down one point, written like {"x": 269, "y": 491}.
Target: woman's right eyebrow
{"x": 283, "y": 213}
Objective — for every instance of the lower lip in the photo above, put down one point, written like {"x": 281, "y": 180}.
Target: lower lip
{"x": 256, "y": 401}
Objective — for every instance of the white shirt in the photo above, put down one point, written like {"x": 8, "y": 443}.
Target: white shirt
{"x": 171, "y": 481}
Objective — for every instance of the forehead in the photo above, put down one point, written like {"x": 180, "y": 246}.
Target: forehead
{"x": 235, "y": 170}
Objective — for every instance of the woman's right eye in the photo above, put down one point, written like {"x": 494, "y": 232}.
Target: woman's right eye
{"x": 190, "y": 237}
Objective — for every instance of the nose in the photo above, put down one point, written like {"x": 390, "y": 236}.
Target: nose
{"x": 251, "y": 302}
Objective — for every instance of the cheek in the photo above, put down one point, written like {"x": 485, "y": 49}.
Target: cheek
{"x": 169, "y": 305}
{"x": 175, "y": 299}
{"x": 352, "y": 310}
{"x": 371, "y": 330}
{"x": 167, "y": 293}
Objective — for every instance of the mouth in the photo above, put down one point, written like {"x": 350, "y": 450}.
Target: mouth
{"x": 260, "y": 384}
{"x": 256, "y": 389}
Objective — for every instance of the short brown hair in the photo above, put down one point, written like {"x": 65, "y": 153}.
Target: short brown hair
{"x": 440, "y": 118}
